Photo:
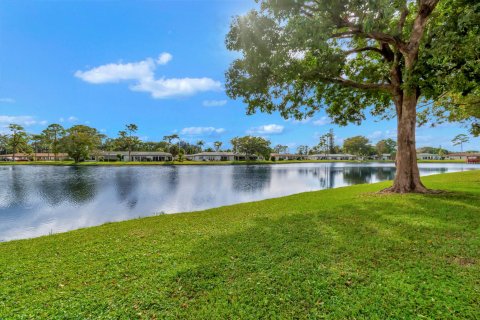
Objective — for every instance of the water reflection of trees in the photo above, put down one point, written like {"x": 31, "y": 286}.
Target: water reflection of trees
{"x": 126, "y": 183}
{"x": 325, "y": 174}
{"x": 357, "y": 175}
{"x": 80, "y": 186}
{"x": 251, "y": 178}
{"x": 18, "y": 185}
{"x": 385, "y": 173}
{"x": 51, "y": 191}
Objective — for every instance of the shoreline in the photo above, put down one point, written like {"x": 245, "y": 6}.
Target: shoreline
{"x": 346, "y": 247}
{"x": 207, "y": 163}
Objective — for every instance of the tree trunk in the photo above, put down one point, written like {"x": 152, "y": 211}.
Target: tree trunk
{"x": 407, "y": 177}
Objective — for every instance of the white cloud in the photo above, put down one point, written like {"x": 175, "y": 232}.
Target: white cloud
{"x": 69, "y": 119}
{"x": 214, "y": 103}
{"x": 375, "y": 135}
{"x": 164, "y": 58}
{"x": 380, "y": 135}
{"x": 267, "y": 129}
{"x": 116, "y": 72}
{"x": 322, "y": 121}
{"x": 165, "y": 88}
{"x": 201, "y": 131}
{"x": 142, "y": 74}
{"x": 7, "y": 100}
{"x": 302, "y": 121}
{"x": 21, "y": 120}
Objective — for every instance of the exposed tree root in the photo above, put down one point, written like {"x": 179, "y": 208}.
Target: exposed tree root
{"x": 418, "y": 189}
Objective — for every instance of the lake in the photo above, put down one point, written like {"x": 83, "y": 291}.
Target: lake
{"x": 40, "y": 200}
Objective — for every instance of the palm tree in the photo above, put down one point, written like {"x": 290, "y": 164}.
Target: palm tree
{"x": 218, "y": 145}
{"x": 200, "y": 144}
{"x": 170, "y": 138}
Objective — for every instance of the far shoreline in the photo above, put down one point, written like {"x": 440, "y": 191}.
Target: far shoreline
{"x": 208, "y": 163}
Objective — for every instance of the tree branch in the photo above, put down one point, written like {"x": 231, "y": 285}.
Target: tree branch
{"x": 388, "y": 56}
{"x": 375, "y": 49}
{"x": 379, "y": 36}
{"x": 358, "y": 85}
{"x": 401, "y": 21}
{"x": 425, "y": 9}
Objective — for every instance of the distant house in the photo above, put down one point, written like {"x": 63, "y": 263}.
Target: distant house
{"x": 428, "y": 156}
{"x": 335, "y": 156}
{"x": 384, "y": 157}
{"x": 219, "y": 156}
{"x": 211, "y": 156}
{"x": 461, "y": 155}
{"x": 137, "y": 156}
{"x": 287, "y": 156}
{"x": 34, "y": 157}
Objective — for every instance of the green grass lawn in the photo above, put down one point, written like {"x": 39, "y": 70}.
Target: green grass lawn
{"x": 346, "y": 253}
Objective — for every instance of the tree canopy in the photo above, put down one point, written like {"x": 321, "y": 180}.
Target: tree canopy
{"x": 358, "y": 145}
{"x": 80, "y": 141}
{"x": 250, "y": 145}
{"x": 350, "y": 57}
{"x": 299, "y": 56}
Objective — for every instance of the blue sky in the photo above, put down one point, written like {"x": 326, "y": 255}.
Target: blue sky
{"x": 159, "y": 64}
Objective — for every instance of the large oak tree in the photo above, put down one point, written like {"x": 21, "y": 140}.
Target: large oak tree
{"x": 356, "y": 56}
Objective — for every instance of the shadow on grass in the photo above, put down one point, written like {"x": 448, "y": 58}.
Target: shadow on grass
{"x": 380, "y": 257}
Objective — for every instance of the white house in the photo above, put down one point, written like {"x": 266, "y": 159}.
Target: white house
{"x": 384, "y": 157}
{"x": 140, "y": 156}
{"x": 212, "y": 156}
{"x": 39, "y": 156}
{"x": 335, "y": 156}
{"x": 461, "y": 155}
{"x": 288, "y": 156}
{"x": 428, "y": 156}
{"x": 219, "y": 156}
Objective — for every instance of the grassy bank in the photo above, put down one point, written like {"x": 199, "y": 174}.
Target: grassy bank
{"x": 103, "y": 163}
{"x": 340, "y": 253}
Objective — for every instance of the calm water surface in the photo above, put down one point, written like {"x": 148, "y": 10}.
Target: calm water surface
{"x": 39, "y": 200}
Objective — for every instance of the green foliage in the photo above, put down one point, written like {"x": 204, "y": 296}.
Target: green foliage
{"x": 3, "y": 143}
{"x": 80, "y": 141}
{"x": 174, "y": 150}
{"x": 18, "y": 139}
{"x": 344, "y": 253}
{"x": 349, "y": 56}
{"x": 217, "y": 145}
{"x": 385, "y": 146}
{"x": 126, "y": 139}
{"x": 280, "y": 149}
{"x": 358, "y": 145}
{"x": 250, "y": 146}
{"x": 460, "y": 139}
{"x": 53, "y": 135}
{"x": 303, "y": 149}
{"x": 432, "y": 150}
{"x": 454, "y": 108}
{"x": 181, "y": 155}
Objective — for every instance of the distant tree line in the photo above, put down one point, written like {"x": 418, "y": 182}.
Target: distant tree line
{"x": 81, "y": 141}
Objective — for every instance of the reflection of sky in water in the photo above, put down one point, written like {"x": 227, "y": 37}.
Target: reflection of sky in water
{"x": 38, "y": 200}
